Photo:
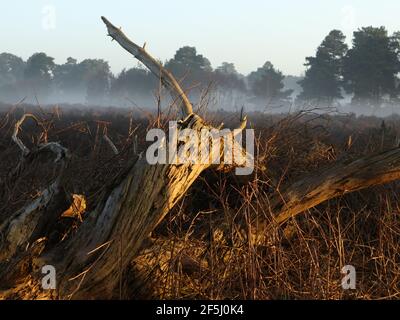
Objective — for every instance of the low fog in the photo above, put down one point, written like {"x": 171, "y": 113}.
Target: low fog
{"x": 362, "y": 79}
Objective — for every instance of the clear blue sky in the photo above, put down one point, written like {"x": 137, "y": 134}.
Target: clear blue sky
{"x": 247, "y": 33}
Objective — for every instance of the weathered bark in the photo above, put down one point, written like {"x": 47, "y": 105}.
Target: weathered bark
{"x": 340, "y": 179}
{"x": 152, "y": 64}
{"x": 89, "y": 263}
{"x": 36, "y": 219}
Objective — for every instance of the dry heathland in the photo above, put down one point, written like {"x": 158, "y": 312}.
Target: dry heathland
{"x": 203, "y": 249}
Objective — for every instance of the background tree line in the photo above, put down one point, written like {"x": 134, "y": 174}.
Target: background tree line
{"x": 91, "y": 80}
{"x": 368, "y": 72}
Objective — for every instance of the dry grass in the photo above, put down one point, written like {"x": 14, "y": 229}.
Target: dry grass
{"x": 202, "y": 249}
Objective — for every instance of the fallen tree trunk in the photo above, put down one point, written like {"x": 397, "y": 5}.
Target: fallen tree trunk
{"x": 339, "y": 180}
{"x": 36, "y": 219}
{"x": 90, "y": 263}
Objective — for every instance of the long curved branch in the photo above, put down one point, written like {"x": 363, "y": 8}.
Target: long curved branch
{"x": 55, "y": 147}
{"x": 341, "y": 179}
{"x": 17, "y": 127}
{"x": 152, "y": 64}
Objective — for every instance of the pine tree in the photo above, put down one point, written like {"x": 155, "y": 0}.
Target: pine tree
{"x": 323, "y": 78}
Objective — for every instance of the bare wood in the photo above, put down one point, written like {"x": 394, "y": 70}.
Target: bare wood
{"x": 62, "y": 153}
{"x": 88, "y": 264}
{"x": 243, "y": 124}
{"x": 243, "y": 121}
{"x": 152, "y": 64}
{"x": 54, "y": 147}
{"x": 118, "y": 228}
{"x": 28, "y": 224}
{"x": 30, "y": 221}
{"x": 338, "y": 180}
{"x": 111, "y": 144}
{"x": 17, "y": 128}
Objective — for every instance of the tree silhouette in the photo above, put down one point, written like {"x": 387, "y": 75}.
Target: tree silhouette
{"x": 68, "y": 79}
{"x": 368, "y": 70}
{"x": 39, "y": 74}
{"x": 323, "y": 78}
{"x": 371, "y": 66}
{"x": 189, "y": 66}
{"x": 11, "y": 76}
{"x": 133, "y": 84}
{"x": 97, "y": 78}
{"x": 267, "y": 85}
{"x": 228, "y": 78}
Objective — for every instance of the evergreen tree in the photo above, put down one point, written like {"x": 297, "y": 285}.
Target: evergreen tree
{"x": 323, "y": 78}
{"x": 372, "y": 65}
{"x": 267, "y": 85}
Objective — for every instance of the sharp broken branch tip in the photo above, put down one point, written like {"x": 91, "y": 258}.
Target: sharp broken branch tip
{"x": 152, "y": 64}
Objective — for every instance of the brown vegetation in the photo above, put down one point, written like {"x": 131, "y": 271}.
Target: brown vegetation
{"x": 200, "y": 250}
{"x": 168, "y": 231}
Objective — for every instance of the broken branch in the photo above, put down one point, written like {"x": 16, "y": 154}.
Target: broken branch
{"x": 17, "y": 127}
{"x": 152, "y": 64}
{"x": 341, "y": 179}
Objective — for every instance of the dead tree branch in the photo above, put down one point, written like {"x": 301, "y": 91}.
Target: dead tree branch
{"x": 152, "y": 64}
{"x": 341, "y": 179}
{"x": 111, "y": 144}
{"x": 27, "y": 224}
{"x": 130, "y": 210}
{"x": 17, "y": 128}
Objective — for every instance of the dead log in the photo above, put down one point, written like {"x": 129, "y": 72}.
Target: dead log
{"x": 340, "y": 179}
{"x": 36, "y": 219}
{"x": 90, "y": 263}
{"x": 167, "y": 79}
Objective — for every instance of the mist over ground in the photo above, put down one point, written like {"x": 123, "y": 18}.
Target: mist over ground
{"x": 81, "y": 194}
{"x": 362, "y": 79}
